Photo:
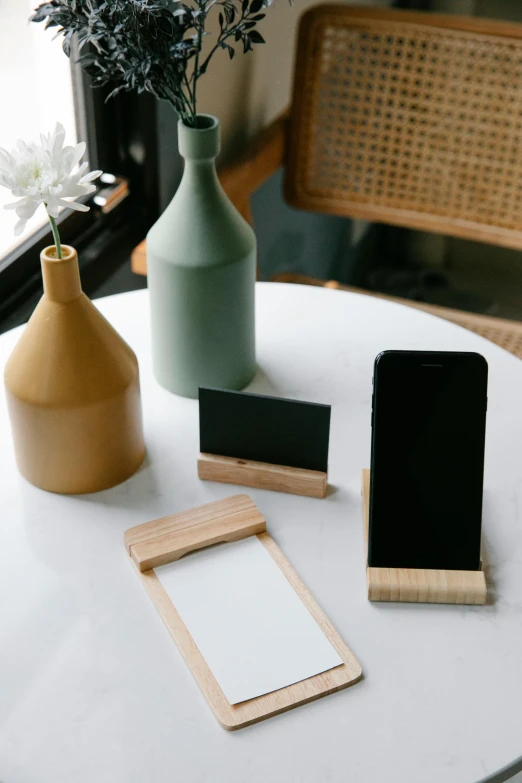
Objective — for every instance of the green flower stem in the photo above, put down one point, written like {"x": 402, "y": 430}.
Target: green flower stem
{"x": 56, "y": 236}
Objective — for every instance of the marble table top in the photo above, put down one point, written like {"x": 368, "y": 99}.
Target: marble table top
{"x": 92, "y": 687}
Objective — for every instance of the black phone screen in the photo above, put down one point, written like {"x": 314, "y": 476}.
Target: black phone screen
{"x": 429, "y": 418}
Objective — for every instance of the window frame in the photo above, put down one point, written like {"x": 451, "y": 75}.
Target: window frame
{"x": 121, "y": 138}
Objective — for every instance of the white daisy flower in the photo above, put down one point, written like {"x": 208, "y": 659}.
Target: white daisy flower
{"x": 43, "y": 174}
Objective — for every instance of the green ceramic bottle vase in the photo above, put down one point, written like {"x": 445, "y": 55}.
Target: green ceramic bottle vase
{"x": 201, "y": 266}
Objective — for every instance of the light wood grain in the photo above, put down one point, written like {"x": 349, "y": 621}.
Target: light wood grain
{"x": 419, "y": 585}
{"x": 184, "y": 519}
{"x": 237, "y": 716}
{"x": 172, "y": 546}
{"x": 262, "y": 475}
{"x": 165, "y": 540}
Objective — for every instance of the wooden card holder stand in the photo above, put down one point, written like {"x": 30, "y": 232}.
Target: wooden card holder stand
{"x": 262, "y": 475}
{"x": 165, "y": 540}
{"x": 263, "y": 442}
{"x": 420, "y": 585}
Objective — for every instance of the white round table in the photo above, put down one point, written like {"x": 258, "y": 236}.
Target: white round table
{"x": 93, "y": 688}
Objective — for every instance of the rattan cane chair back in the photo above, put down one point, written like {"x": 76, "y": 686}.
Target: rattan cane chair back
{"x": 410, "y": 119}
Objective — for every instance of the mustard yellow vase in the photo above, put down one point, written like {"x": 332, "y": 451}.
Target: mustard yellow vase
{"x": 73, "y": 393}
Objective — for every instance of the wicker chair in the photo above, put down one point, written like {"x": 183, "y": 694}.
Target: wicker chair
{"x": 403, "y": 118}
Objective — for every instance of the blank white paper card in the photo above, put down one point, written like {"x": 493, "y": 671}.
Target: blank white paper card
{"x": 251, "y": 627}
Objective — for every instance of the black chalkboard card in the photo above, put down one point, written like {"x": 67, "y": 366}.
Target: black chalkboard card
{"x": 253, "y": 428}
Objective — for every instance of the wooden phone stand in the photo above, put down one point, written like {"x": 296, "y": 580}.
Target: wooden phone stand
{"x": 262, "y": 475}
{"x": 420, "y": 585}
{"x": 165, "y": 540}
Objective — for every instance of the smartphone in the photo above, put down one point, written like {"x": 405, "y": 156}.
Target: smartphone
{"x": 427, "y": 464}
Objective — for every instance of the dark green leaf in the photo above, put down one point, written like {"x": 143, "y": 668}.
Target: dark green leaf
{"x": 244, "y": 6}
{"x": 256, "y": 37}
{"x": 66, "y": 44}
{"x": 255, "y": 6}
{"x": 258, "y": 17}
{"x": 87, "y": 60}
{"x": 221, "y": 20}
{"x": 42, "y": 12}
{"x": 230, "y": 14}
{"x": 51, "y": 22}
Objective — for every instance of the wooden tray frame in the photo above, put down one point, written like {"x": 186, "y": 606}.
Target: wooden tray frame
{"x": 165, "y": 540}
{"x": 414, "y": 585}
